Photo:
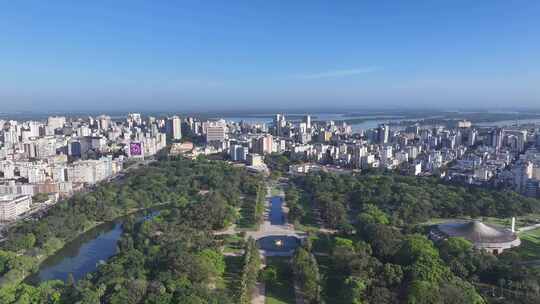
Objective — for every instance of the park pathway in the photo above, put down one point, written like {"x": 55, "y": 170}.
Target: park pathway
{"x": 267, "y": 228}
{"x": 259, "y": 296}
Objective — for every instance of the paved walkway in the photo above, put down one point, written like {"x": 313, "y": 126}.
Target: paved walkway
{"x": 259, "y": 295}
{"x": 298, "y": 293}
{"x": 529, "y": 228}
{"x": 228, "y": 231}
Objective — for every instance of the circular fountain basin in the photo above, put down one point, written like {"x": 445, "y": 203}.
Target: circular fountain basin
{"x": 278, "y": 243}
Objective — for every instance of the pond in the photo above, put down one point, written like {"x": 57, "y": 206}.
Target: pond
{"x": 83, "y": 255}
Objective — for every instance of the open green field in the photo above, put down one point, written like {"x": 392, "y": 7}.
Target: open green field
{"x": 282, "y": 291}
{"x": 530, "y": 245}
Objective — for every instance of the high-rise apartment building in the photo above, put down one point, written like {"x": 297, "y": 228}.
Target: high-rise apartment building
{"x": 263, "y": 144}
{"x": 307, "y": 121}
{"x": 104, "y": 122}
{"x": 215, "y": 131}
{"x": 384, "y": 134}
{"x": 174, "y": 128}
{"x": 238, "y": 152}
{"x": 497, "y": 138}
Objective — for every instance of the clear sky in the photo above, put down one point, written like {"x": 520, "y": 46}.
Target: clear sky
{"x": 215, "y": 55}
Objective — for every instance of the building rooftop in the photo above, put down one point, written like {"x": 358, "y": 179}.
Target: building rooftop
{"x": 9, "y": 197}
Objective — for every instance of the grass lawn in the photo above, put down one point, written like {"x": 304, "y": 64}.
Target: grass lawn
{"x": 233, "y": 244}
{"x": 530, "y": 245}
{"x": 282, "y": 291}
{"x": 488, "y": 220}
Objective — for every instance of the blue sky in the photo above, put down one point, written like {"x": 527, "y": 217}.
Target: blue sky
{"x": 215, "y": 55}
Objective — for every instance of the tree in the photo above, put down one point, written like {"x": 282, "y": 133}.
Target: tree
{"x": 423, "y": 292}
{"x": 269, "y": 275}
{"x": 382, "y": 295}
{"x": 355, "y": 290}
{"x": 455, "y": 247}
{"x": 392, "y": 274}
{"x": 371, "y": 214}
{"x": 414, "y": 248}
{"x": 306, "y": 272}
{"x": 384, "y": 240}
{"x": 457, "y": 291}
{"x": 212, "y": 263}
{"x": 250, "y": 271}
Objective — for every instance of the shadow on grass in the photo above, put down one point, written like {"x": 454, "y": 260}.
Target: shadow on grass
{"x": 233, "y": 268}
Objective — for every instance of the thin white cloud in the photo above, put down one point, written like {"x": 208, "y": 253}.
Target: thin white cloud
{"x": 197, "y": 83}
{"x": 338, "y": 73}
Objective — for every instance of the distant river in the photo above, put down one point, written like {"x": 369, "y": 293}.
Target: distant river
{"x": 82, "y": 255}
{"x": 368, "y": 124}
{"x": 506, "y": 123}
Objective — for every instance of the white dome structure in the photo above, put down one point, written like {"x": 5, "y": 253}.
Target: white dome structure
{"x": 483, "y": 236}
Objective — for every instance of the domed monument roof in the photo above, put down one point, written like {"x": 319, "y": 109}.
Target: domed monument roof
{"x": 477, "y": 232}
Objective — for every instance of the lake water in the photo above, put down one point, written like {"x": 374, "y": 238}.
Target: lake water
{"x": 80, "y": 256}
{"x": 83, "y": 255}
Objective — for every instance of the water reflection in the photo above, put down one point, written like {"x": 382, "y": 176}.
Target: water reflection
{"x": 276, "y": 212}
{"x": 82, "y": 255}
{"x": 279, "y": 243}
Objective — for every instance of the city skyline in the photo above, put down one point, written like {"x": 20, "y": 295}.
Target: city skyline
{"x": 199, "y": 56}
